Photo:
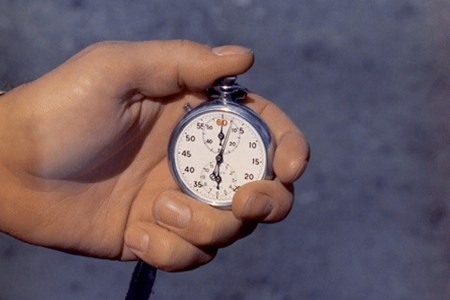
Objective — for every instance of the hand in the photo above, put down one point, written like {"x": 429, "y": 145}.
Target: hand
{"x": 84, "y": 164}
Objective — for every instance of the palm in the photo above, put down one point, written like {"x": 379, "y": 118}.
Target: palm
{"x": 120, "y": 188}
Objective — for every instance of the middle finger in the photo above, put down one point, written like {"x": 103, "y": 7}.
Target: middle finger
{"x": 196, "y": 222}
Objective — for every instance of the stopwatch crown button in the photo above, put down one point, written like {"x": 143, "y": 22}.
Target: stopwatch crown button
{"x": 227, "y": 81}
{"x": 226, "y": 89}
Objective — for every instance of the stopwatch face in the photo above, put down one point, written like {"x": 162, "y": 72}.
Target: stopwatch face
{"x": 215, "y": 153}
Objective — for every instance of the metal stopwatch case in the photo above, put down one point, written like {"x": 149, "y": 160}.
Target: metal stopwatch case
{"x": 220, "y": 145}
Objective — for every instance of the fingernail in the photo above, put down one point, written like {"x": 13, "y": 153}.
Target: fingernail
{"x": 231, "y": 50}
{"x": 173, "y": 213}
{"x": 137, "y": 239}
{"x": 259, "y": 206}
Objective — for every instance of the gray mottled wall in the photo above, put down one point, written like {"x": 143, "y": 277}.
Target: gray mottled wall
{"x": 367, "y": 81}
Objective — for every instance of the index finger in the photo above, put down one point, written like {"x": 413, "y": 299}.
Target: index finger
{"x": 292, "y": 152}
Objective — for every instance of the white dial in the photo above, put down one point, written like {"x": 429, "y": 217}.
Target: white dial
{"x": 217, "y": 152}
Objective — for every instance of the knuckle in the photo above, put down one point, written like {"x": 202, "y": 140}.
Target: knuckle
{"x": 182, "y": 259}
{"x": 168, "y": 260}
{"x": 96, "y": 48}
{"x": 102, "y": 51}
{"x": 184, "y": 44}
{"x": 186, "y": 48}
{"x": 218, "y": 232}
{"x": 283, "y": 206}
{"x": 211, "y": 233}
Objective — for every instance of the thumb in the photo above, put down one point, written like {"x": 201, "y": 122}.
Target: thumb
{"x": 167, "y": 67}
{"x": 163, "y": 68}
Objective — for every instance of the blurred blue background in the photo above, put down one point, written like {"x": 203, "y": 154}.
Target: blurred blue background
{"x": 367, "y": 81}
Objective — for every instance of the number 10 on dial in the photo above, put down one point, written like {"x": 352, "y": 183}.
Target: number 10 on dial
{"x": 220, "y": 146}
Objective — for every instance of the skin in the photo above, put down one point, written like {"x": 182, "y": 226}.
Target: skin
{"x": 84, "y": 164}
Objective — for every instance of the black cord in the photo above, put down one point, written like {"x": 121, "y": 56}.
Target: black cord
{"x": 142, "y": 281}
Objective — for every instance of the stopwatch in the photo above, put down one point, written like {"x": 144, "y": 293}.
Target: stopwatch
{"x": 220, "y": 145}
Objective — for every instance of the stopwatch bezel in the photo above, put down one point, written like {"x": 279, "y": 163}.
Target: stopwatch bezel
{"x": 240, "y": 110}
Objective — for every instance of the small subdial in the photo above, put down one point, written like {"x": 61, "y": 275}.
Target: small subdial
{"x": 218, "y": 181}
{"x": 221, "y": 133}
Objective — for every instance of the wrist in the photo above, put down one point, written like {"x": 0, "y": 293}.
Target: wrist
{"x": 9, "y": 201}
{"x": 16, "y": 124}
{"x": 5, "y": 200}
